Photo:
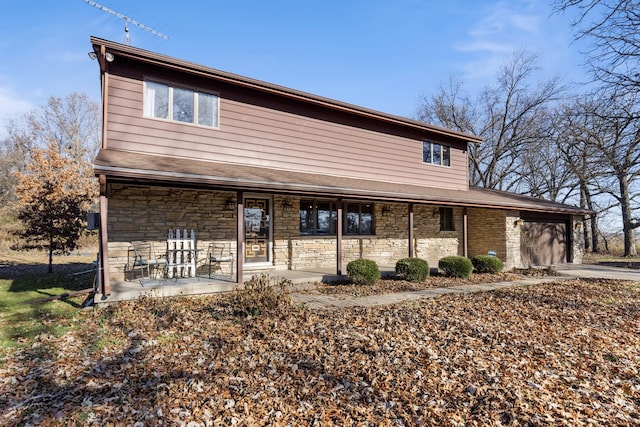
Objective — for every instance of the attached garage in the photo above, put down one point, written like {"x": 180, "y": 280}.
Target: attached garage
{"x": 544, "y": 240}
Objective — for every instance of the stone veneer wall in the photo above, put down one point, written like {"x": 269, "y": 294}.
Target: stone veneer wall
{"x": 494, "y": 230}
{"x": 146, "y": 213}
{"x": 388, "y": 245}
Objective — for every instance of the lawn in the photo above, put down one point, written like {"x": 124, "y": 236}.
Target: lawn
{"x": 566, "y": 353}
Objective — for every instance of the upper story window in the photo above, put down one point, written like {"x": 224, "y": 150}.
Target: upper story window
{"x": 436, "y": 154}
{"x": 165, "y": 101}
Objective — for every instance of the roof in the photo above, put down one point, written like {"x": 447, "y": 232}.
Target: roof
{"x": 119, "y": 49}
{"x": 151, "y": 169}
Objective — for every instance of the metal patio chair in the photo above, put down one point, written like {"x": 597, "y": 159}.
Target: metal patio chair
{"x": 146, "y": 259}
{"x": 216, "y": 255}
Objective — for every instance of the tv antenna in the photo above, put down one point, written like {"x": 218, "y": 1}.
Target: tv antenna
{"x": 127, "y": 20}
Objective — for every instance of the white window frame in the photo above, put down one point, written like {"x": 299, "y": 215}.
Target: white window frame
{"x": 431, "y": 147}
{"x": 169, "y": 118}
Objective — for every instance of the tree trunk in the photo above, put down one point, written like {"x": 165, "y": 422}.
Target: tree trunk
{"x": 627, "y": 223}
{"x": 50, "y": 269}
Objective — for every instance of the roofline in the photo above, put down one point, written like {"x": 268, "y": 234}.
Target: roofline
{"x": 155, "y": 177}
{"x": 235, "y": 79}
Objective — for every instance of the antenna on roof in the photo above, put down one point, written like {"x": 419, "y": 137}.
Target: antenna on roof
{"x": 127, "y": 37}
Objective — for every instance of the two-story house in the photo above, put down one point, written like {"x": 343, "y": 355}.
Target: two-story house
{"x": 287, "y": 180}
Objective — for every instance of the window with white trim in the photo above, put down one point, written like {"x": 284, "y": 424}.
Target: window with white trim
{"x": 169, "y": 102}
{"x": 436, "y": 154}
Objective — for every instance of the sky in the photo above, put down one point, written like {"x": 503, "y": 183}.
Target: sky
{"x": 379, "y": 54}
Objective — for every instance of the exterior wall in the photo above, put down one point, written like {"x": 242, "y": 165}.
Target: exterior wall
{"x": 388, "y": 245}
{"x": 147, "y": 213}
{"x": 271, "y": 131}
{"x": 493, "y": 230}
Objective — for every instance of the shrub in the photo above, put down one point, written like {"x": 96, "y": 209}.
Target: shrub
{"x": 363, "y": 271}
{"x": 487, "y": 264}
{"x": 413, "y": 269}
{"x": 261, "y": 294}
{"x": 456, "y": 266}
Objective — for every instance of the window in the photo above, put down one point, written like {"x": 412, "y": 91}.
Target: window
{"x": 359, "y": 218}
{"x": 436, "y": 154}
{"x": 164, "y": 101}
{"x": 319, "y": 218}
{"x": 446, "y": 219}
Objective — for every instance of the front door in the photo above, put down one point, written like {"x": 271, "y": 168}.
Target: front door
{"x": 257, "y": 230}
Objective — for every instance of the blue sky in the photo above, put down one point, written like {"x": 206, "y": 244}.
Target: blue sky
{"x": 378, "y": 54}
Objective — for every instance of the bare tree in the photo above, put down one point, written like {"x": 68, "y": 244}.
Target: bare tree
{"x": 506, "y": 115}
{"x": 611, "y": 27}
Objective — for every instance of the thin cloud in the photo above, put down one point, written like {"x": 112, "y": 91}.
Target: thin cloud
{"x": 11, "y": 106}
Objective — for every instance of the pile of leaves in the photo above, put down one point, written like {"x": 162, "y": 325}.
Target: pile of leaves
{"x": 566, "y": 353}
{"x": 384, "y": 286}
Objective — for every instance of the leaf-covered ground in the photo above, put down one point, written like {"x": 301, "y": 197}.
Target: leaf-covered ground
{"x": 566, "y": 353}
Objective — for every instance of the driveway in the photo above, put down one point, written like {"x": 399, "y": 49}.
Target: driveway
{"x": 598, "y": 271}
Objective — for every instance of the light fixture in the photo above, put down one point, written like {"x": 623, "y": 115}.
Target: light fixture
{"x": 518, "y": 222}
{"x": 286, "y": 205}
{"x": 229, "y": 205}
{"x": 92, "y": 55}
{"x": 578, "y": 225}
{"x": 109, "y": 57}
{"x": 385, "y": 210}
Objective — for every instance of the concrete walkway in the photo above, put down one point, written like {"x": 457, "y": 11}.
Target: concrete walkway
{"x": 325, "y": 301}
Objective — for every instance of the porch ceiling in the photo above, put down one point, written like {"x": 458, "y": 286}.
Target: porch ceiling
{"x": 164, "y": 170}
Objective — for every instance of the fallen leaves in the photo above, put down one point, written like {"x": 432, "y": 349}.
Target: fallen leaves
{"x": 566, "y": 353}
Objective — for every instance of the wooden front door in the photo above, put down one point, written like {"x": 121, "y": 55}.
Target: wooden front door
{"x": 257, "y": 230}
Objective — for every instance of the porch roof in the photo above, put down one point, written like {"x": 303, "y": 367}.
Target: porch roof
{"x": 151, "y": 169}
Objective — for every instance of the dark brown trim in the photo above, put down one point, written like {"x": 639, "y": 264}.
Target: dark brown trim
{"x": 240, "y": 236}
{"x": 339, "y": 226}
{"x": 410, "y": 226}
{"x": 103, "y": 277}
{"x": 465, "y": 233}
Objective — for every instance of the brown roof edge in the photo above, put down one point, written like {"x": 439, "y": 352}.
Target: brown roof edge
{"x": 190, "y": 67}
{"x": 149, "y": 169}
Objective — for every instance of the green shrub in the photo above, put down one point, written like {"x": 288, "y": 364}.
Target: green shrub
{"x": 456, "y": 266}
{"x": 261, "y": 294}
{"x": 412, "y": 269}
{"x": 363, "y": 271}
{"x": 487, "y": 264}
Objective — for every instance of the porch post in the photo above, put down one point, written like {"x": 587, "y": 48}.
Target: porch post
{"x": 339, "y": 238}
{"x": 103, "y": 239}
{"x": 465, "y": 233}
{"x": 240, "y": 236}
{"x": 411, "y": 237}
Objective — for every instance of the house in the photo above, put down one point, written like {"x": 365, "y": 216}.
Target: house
{"x": 287, "y": 180}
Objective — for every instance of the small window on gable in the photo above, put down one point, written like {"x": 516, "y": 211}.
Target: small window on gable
{"x": 446, "y": 219}
{"x": 165, "y": 101}
{"x": 436, "y": 154}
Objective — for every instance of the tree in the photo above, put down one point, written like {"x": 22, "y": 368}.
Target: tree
{"x": 71, "y": 123}
{"x": 612, "y": 28}
{"x": 509, "y": 115}
{"x": 54, "y": 194}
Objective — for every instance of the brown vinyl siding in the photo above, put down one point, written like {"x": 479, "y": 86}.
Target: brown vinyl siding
{"x": 269, "y": 134}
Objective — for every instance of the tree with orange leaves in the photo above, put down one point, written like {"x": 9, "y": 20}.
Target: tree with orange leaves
{"x": 54, "y": 194}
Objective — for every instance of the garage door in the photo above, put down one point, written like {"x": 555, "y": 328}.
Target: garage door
{"x": 543, "y": 243}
